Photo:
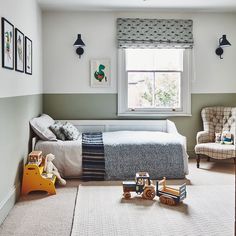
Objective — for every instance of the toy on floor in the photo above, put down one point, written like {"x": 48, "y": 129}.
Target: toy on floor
{"x": 143, "y": 185}
{"x": 50, "y": 169}
{"x": 170, "y": 196}
{"x": 226, "y": 138}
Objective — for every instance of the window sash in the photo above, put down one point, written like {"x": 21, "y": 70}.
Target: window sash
{"x": 123, "y": 110}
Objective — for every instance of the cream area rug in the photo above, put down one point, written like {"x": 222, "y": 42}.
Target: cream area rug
{"x": 39, "y": 214}
{"x": 207, "y": 210}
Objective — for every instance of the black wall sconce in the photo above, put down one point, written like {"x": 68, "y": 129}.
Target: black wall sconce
{"x": 79, "y": 44}
{"x": 223, "y": 42}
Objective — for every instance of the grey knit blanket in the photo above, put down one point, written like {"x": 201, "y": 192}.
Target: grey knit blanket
{"x": 127, "y": 152}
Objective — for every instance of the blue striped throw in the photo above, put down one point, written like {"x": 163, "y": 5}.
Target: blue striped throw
{"x": 93, "y": 162}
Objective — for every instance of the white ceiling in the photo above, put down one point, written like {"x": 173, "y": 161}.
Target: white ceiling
{"x": 116, "y": 5}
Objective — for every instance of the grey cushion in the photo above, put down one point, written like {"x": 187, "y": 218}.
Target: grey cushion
{"x": 40, "y": 126}
{"x": 56, "y": 129}
{"x": 70, "y": 131}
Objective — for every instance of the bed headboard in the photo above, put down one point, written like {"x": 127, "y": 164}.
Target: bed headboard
{"x": 115, "y": 125}
{"x": 119, "y": 125}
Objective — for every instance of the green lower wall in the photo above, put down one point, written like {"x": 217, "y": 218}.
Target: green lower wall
{"x": 15, "y": 113}
{"x": 104, "y": 106}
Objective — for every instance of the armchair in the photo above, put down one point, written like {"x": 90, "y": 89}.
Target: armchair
{"x": 216, "y": 120}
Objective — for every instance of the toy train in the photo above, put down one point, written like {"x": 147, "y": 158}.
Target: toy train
{"x": 143, "y": 185}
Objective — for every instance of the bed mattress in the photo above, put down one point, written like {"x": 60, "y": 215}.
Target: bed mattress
{"x": 118, "y": 145}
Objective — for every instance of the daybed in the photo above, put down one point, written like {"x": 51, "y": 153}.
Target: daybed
{"x": 129, "y": 146}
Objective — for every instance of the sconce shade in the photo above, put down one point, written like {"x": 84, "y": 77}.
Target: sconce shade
{"x": 223, "y": 42}
{"x": 79, "y": 42}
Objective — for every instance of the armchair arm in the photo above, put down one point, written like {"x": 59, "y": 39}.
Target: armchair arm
{"x": 203, "y": 137}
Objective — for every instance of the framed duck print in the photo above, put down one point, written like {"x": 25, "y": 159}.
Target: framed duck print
{"x": 19, "y": 51}
{"x": 7, "y": 44}
{"x": 28, "y": 56}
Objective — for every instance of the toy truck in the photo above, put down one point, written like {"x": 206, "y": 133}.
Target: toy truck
{"x": 143, "y": 185}
{"x": 168, "y": 195}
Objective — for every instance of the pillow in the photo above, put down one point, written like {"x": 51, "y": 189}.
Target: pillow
{"x": 56, "y": 129}
{"x": 70, "y": 131}
{"x": 40, "y": 126}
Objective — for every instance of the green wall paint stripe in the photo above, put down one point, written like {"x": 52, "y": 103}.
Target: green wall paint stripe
{"x": 104, "y": 106}
{"x": 80, "y": 106}
{"x": 15, "y": 113}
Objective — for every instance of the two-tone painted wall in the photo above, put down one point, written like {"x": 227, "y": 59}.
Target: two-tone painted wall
{"x": 67, "y": 91}
{"x": 20, "y": 100}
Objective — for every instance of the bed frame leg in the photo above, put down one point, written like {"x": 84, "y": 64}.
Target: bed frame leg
{"x": 198, "y": 160}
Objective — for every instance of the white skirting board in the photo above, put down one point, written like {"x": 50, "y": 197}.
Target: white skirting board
{"x": 8, "y": 202}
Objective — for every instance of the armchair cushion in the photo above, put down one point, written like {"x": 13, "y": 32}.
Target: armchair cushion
{"x": 216, "y": 150}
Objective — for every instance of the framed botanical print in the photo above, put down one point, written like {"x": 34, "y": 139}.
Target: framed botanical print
{"x": 100, "y": 73}
{"x": 19, "y": 51}
{"x": 28, "y": 56}
{"x": 7, "y": 44}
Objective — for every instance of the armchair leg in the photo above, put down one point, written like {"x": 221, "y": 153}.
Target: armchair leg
{"x": 198, "y": 160}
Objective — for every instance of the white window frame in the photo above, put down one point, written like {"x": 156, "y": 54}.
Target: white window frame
{"x": 185, "y": 109}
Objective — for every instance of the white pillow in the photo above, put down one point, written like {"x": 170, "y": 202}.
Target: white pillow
{"x": 40, "y": 126}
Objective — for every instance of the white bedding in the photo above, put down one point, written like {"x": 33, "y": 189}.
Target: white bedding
{"x": 69, "y": 153}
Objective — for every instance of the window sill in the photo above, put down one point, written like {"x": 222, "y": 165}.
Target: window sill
{"x": 153, "y": 114}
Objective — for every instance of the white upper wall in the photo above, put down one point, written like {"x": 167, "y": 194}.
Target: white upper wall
{"x": 64, "y": 72}
{"x": 26, "y": 16}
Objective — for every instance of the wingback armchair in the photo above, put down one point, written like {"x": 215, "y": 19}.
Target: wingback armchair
{"x": 216, "y": 120}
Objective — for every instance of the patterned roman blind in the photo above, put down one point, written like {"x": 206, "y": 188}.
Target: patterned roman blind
{"x": 154, "y": 33}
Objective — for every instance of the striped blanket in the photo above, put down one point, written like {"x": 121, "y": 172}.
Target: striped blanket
{"x": 93, "y": 162}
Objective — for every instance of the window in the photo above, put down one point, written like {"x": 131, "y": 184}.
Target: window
{"x": 154, "y": 82}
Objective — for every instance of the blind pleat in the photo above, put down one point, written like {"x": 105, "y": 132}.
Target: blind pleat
{"x": 154, "y": 33}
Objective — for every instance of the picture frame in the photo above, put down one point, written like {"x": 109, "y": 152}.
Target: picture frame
{"x": 19, "y": 50}
{"x": 7, "y": 44}
{"x": 28, "y": 56}
{"x": 100, "y": 73}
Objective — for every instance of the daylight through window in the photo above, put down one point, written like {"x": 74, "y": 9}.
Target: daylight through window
{"x": 154, "y": 78}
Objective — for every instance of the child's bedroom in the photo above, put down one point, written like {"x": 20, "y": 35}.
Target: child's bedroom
{"x": 118, "y": 117}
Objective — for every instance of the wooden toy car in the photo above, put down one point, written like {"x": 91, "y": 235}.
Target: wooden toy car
{"x": 142, "y": 185}
{"x": 170, "y": 196}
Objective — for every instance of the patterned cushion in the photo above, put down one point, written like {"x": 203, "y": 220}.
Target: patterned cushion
{"x": 216, "y": 150}
{"x": 70, "y": 131}
{"x": 56, "y": 129}
{"x": 40, "y": 126}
